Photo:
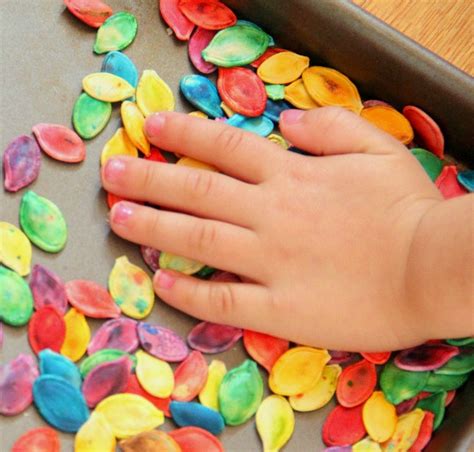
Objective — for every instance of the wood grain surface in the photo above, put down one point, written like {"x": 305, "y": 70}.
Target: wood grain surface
{"x": 445, "y": 27}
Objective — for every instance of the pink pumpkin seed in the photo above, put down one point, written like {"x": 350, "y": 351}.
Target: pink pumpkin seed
{"x": 48, "y": 289}
{"x": 425, "y": 357}
{"x": 162, "y": 342}
{"x": 190, "y": 377}
{"x": 198, "y": 42}
{"x": 211, "y": 338}
{"x": 120, "y": 334}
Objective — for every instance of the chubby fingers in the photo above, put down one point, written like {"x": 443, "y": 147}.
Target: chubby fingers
{"x": 215, "y": 243}
{"x": 235, "y": 152}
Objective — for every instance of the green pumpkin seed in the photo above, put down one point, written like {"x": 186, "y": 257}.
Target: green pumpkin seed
{"x": 436, "y": 404}
{"x": 440, "y": 382}
{"x": 103, "y": 356}
{"x": 460, "y": 364}
{"x": 16, "y": 301}
{"x": 116, "y": 33}
{"x": 430, "y": 163}
{"x": 90, "y": 116}
{"x": 462, "y": 341}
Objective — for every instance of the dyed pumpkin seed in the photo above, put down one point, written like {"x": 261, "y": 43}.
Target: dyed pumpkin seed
{"x": 43, "y": 222}
{"x": 240, "y": 393}
{"x": 271, "y": 41}
{"x": 61, "y": 404}
{"x": 379, "y": 417}
{"x": 466, "y": 179}
{"x": 406, "y": 431}
{"x": 356, "y": 383}
{"x": 116, "y": 33}
{"x": 175, "y": 19}
{"x": 129, "y": 414}
{"x": 91, "y": 12}
{"x": 399, "y": 385}
{"x": 242, "y": 91}
{"x": 120, "y": 334}
{"x": 297, "y": 370}
{"x": 107, "y": 87}
{"x": 460, "y": 364}
{"x": 273, "y": 109}
{"x": 263, "y": 348}
{"x": 198, "y": 114}
{"x": 275, "y": 92}
{"x": 48, "y": 289}
{"x": 447, "y": 183}
{"x": 37, "y": 440}
{"x": 15, "y": 249}
{"x": 134, "y": 121}
{"x": 60, "y": 142}
{"x": 1, "y": 335}
{"x": 131, "y": 288}
{"x": 16, "y": 382}
{"x": 21, "y": 163}
{"x": 95, "y": 435}
{"x": 205, "y": 272}
{"x": 151, "y": 441}
{"x": 227, "y": 110}
{"x": 424, "y": 435}
{"x": 377, "y": 358}
{"x": 134, "y": 387}
{"x": 208, "y": 337}
{"x": 266, "y": 55}
{"x": 343, "y": 426}
{"x": 189, "y": 377}
{"x": 192, "y": 414}
{"x": 118, "y": 145}
{"x": 156, "y": 155}
{"x": 155, "y": 375}
{"x": 430, "y": 163}
{"x": 153, "y": 94}
{"x": 283, "y": 68}
{"x": 436, "y": 404}
{"x": 201, "y": 93}
{"x": 197, "y": 43}
{"x": 440, "y": 382}
{"x": 461, "y": 341}
{"x": 321, "y": 393}
{"x": 275, "y": 422}
{"x": 329, "y": 87}
{"x": 46, "y": 329}
{"x": 181, "y": 264}
{"x": 261, "y": 125}
{"x": 389, "y": 120}
{"x": 209, "y": 395}
{"x": 407, "y": 405}
{"x": 277, "y": 139}
{"x": 52, "y": 363}
{"x": 236, "y": 46}
{"x": 117, "y": 63}
{"x": 16, "y": 302}
{"x": 77, "y": 337}
{"x": 425, "y": 357}
{"x": 374, "y": 102}
{"x": 162, "y": 342}
{"x": 427, "y": 132}
{"x": 366, "y": 445}
{"x": 102, "y": 356}
{"x": 208, "y": 14}
{"x": 193, "y": 163}
{"x": 195, "y": 438}
{"x": 106, "y": 379}
{"x": 90, "y": 116}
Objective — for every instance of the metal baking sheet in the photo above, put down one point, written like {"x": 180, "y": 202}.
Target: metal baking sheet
{"x": 45, "y": 52}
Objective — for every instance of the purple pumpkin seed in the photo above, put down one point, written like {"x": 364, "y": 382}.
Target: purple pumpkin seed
{"x": 16, "y": 384}
{"x": 210, "y": 337}
{"x": 340, "y": 357}
{"x": 21, "y": 163}
{"x": 220, "y": 276}
{"x": 106, "y": 379}
{"x": 120, "y": 334}
{"x": 425, "y": 357}
{"x": 151, "y": 256}
{"x": 48, "y": 289}
{"x": 162, "y": 342}
{"x": 1, "y": 335}
{"x": 406, "y": 406}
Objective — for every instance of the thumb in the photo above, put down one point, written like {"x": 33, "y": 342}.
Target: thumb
{"x": 334, "y": 130}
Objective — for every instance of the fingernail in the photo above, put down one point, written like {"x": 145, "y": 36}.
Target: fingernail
{"x": 122, "y": 212}
{"x": 154, "y": 125}
{"x": 292, "y": 116}
{"x": 164, "y": 280}
{"x": 114, "y": 168}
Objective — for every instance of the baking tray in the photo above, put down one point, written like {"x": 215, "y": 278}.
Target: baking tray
{"x": 45, "y": 52}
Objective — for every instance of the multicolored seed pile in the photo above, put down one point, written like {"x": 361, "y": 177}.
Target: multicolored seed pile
{"x": 126, "y": 378}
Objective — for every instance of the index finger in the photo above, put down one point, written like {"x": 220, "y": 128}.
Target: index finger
{"x": 233, "y": 151}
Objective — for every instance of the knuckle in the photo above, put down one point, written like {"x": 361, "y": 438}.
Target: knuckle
{"x": 199, "y": 183}
{"x": 223, "y": 298}
{"x": 203, "y": 237}
{"x": 154, "y": 224}
{"x": 230, "y": 139}
{"x": 148, "y": 180}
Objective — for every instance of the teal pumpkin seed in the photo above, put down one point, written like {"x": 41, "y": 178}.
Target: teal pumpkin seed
{"x": 240, "y": 393}
{"x": 462, "y": 341}
{"x": 116, "y": 33}
{"x": 436, "y": 404}
{"x": 430, "y": 163}
{"x": 16, "y": 301}
{"x": 460, "y": 364}
{"x": 440, "y": 382}
{"x": 90, "y": 116}
{"x": 399, "y": 385}
{"x": 236, "y": 46}
{"x": 103, "y": 356}
{"x": 43, "y": 222}
{"x": 260, "y": 125}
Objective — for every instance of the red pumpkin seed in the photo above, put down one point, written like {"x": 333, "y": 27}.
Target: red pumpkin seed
{"x": 340, "y": 357}
{"x": 448, "y": 184}
{"x": 450, "y": 397}
{"x": 356, "y": 383}
{"x": 198, "y": 42}
{"x": 377, "y": 358}
{"x": 48, "y": 289}
{"x": 175, "y": 19}
{"x": 208, "y": 14}
{"x": 134, "y": 387}
{"x": 190, "y": 377}
{"x": 211, "y": 338}
{"x": 424, "y": 434}
{"x": 263, "y": 348}
{"x": 194, "y": 439}
{"x": 91, "y": 12}
{"x": 407, "y": 405}
{"x": 425, "y": 357}
{"x": 120, "y": 334}
{"x": 155, "y": 155}
{"x": 343, "y": 426}
{"x": 46, "y": 329}
{"x": 43, "y": 439}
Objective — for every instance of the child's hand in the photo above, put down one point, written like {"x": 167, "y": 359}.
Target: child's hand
{"x": 325, "y": 243}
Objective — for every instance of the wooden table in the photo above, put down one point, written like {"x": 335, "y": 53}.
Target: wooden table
{"x": 443, "y": 26}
